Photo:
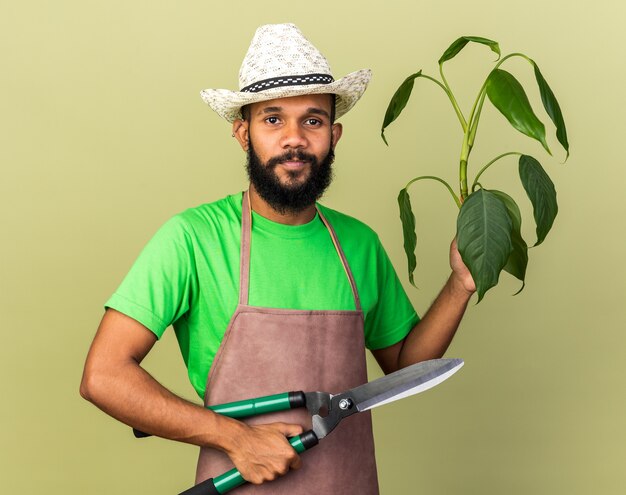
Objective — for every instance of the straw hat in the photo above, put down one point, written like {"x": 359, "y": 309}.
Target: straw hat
{"x": 280, "y": 63}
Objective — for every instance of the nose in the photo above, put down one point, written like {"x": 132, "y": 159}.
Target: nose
{"x": 293, "y": 136}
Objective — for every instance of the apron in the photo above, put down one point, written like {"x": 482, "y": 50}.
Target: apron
{"x": 268, "y": 351}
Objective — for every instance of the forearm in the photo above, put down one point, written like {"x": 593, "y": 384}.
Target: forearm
{"x": 115, "y": 382}
{"x": 431, "y": 337}
{"x": 130, "y": 394}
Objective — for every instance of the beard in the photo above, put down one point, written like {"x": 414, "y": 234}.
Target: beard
{"x": 294, "y": 196}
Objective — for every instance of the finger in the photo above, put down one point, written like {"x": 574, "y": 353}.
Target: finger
{"x": 256, "y": 480}
{"x": 252, "y": 475}
{"x": 296, "y": 463}
{"x": 289, "y": 429}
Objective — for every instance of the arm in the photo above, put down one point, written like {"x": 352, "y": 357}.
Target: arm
{"x": 430, "y": 338}
{"x": 115, "y": 382}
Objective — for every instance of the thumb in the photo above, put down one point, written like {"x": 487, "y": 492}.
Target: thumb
{"x": 289, "y": 429}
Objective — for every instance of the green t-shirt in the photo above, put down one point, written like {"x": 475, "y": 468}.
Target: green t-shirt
{"x": 188, "y": 276}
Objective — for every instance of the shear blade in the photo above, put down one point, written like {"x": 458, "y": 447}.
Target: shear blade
{"x": 403, "y": 383}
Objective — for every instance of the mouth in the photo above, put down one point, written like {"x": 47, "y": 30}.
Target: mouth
{"x": 294, "y": 164}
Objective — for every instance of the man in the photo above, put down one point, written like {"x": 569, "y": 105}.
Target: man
{"x": 269, "y": 291}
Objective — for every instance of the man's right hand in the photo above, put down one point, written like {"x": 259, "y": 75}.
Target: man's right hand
{"x": 115, "y": 382}
{"x": 262, "y": 452}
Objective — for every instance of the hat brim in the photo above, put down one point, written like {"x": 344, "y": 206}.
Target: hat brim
{"x": 348, "y": 89}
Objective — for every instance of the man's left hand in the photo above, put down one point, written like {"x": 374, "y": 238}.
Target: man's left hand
{"x": 461, "y": 276}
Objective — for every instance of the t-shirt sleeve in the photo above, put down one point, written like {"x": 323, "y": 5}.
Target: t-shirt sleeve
{"x": 393, "y": 315}
{"x": 156, "y": 290}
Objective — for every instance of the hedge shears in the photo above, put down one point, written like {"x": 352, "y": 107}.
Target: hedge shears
{"x": 327, "y": 410}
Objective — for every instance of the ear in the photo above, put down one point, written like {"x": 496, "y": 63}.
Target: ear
{"x": 240, "y": 132}
{"x": 337, "y": 131}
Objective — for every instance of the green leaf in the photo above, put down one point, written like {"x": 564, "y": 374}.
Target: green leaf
{"x": 518, "y": 260}
{"x": 408, "y": 231}
{"x": 508, "y": 96}
{"x": 484, "y": 238}
{"x": 552, "y": 108}
{"x": 459, "y": 44}
{"x": 541, "y": 193}
{"x": 398, "y": 102}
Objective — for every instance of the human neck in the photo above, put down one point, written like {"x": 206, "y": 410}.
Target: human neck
{"x": 260, "y": 206}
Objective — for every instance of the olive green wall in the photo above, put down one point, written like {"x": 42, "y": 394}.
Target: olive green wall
{"x": 104, "y": 137}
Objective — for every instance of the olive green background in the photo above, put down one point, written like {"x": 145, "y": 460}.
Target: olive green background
{"x": 104, "y": 137}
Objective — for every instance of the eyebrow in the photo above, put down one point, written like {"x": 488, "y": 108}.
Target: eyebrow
{"x": 318, "y": 111}
{"x": 310, "y": 110}
{"x": 270, "y": 110}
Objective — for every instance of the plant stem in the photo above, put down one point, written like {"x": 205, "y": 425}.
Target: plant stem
{"x": 457, "y": 109}
{"x": 516, "y": 54}
{"x": 478, "y": 104}
{"x": 470, "y": 134}
{"x": 465, "y": 151}
{"x": 436, "y": 82}
{"x": 489, "y": 165}
{"x": 474, "y": 119}
{"x": 463, "y": 180}
{"x": 456, "y": 200}
{"x": 475, "y": 113}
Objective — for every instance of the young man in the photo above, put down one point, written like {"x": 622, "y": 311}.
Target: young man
{"x": 269, "y": 291}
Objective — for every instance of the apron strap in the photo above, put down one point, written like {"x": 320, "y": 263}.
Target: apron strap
{"x": 244, "y": 270}
{"x": 344, "y": 261}
{"x": 244, "y": 264}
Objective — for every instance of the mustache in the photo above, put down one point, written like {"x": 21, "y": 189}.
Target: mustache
{"x": 293, "y": 155}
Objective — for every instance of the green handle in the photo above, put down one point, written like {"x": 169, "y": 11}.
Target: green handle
{"x": 232, "y": 479}
{"x": 252, "y": 407}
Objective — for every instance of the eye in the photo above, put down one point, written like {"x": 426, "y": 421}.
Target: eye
{"x": 272, "y": 120}
{"x": 313, "y": 122}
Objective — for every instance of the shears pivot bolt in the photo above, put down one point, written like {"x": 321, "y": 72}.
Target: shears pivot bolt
{"x": 345, "y": 404}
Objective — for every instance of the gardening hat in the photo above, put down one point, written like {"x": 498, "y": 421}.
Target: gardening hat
{"x": 280, "y": 63}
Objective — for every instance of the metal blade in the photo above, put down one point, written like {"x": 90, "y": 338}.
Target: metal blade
{"x": 403, "y": 383}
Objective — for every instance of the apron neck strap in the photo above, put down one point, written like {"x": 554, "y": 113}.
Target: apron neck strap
{"x": 244, "y": 264}
{"x": 244, "y": 270}
{"x": 344, "y": 261}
